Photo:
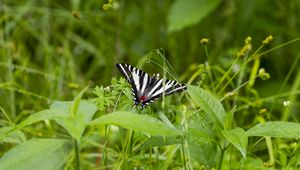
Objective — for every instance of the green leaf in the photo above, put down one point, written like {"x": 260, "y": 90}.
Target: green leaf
{"x": 138, "y": 122}
{"x": 210, "y": 104}
{"x": 76, "y": 102}
{"x": 36, "y": 154}
{"x": 40, "y": 116}
{"x": 87, "y": 108}
{"x": 75, "y": 123}
{"x": 276, "y": 129}
{"x": 185, "y": 13}
{"x": 238, "y": 138}
{"x": 201, "y": 136}
{"x": 201, "y": 148}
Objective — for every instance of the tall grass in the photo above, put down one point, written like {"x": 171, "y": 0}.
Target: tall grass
{"x": 239, "y": 112}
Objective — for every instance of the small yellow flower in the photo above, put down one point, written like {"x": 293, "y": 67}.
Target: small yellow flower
{"x": 268, "y": 39}
{"x": 248, "y": 40}
{"x": 105, "y": 7}
{"x": 263, "y": 74}
{"x": 263, "y": 111}
{"x": 204, "y": 41}
{"x": 247, "y": 47}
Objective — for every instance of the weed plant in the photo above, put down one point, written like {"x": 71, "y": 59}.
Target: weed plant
{"x": 63, "y": 104}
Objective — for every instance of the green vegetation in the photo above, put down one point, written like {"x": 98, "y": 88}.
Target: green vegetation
{"x": 64, "y": 105}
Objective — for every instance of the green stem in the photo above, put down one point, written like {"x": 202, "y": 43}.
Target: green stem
{"x": 210, "y": 71}
{"x": 253, "y": 57}
{"x": 76, "y": 150}
{"x": 240, "y": 78}
{"x": 272, "y": 49}
{"x": 183, "y": 152}
{"x": 12, "y": 96}
{"x": 221, "y": 159}
{"x": 6, "y": 116}
{"x": 104, "y": 148}
{"x": 270, "y": 149}
{"x": 129, "y": 145}
{"x": 226, "y": 74}
{"x": 253, "y": 73}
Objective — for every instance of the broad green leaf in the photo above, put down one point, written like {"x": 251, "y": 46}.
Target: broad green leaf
{"x": 201, "y": 136}
{"x": 138, "y": 122}
{"x": 201, "y": 148}
{"x": 238, "y": 138}
{"x": 40, "y": 116}
{"x": 186, "y": 13}
{"x": 210, "y": 104}
{"x": 75, "y": 123}
{"x": 276, "y": 129}
{"x": 88, "y": 109}
{"x": 36, "y": 154}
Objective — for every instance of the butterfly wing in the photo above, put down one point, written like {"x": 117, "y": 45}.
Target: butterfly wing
{"x": 157, "y": 87}
{"x": 145, "y": 88}
{"x": 136, "y": 77}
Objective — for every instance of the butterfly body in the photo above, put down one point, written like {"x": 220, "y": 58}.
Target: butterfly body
{"x": 146, "y": 88}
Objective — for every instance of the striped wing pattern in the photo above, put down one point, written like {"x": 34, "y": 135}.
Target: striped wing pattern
{"x": 146, "y": 88}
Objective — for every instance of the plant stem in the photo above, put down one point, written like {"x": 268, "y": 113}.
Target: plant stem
{"x": 210, "y": 71}
{"x": 221, "y": 159}
{"x": 183, "y": 152}
{"x": 104, "y": 148}
{"x": 12, "y": 96}
{"x": 76, "y": 149}
{"x": 129, "y": 143}
{"x": 270, "y": 149}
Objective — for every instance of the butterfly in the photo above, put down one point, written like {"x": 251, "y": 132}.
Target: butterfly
{"x": 146, "y": 88}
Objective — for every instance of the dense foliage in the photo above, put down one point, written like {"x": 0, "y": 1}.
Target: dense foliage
{"x": 64, "y": 105}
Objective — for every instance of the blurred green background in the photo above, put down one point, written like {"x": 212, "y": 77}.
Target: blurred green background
{"x": 52, "y": 49}
{"x": 49, "y": 49}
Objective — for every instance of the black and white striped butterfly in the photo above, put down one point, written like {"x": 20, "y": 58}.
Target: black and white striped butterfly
{"x": 145, "y": 88}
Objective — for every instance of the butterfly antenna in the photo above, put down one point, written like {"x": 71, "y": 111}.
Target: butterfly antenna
{"x": 161, "y": 53}
{"x": 164, "y": 69}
